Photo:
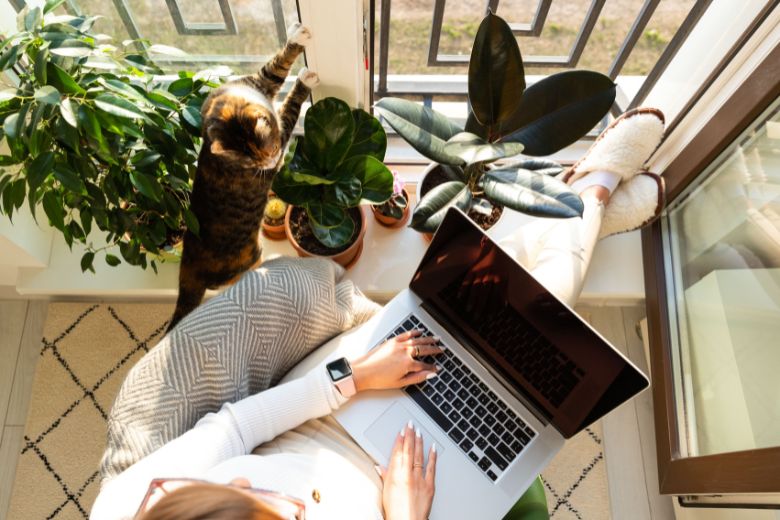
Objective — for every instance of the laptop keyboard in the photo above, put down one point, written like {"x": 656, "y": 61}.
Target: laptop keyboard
{"x": 474, "y": 417}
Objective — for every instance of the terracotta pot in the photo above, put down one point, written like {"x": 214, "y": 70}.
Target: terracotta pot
{"x": 392, "y": 222}
{"x": 346, "y": 258}
{"x": 273, "y": 232}
{"x": 424, "y": 188}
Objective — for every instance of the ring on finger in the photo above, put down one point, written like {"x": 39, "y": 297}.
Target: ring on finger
{"x": 417, "y": 465}
{"x": 416, "y": 352}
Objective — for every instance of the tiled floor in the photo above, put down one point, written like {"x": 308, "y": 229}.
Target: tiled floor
{"x": 629, "y": 441}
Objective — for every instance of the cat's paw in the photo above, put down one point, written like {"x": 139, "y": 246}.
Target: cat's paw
{"x": 309, "y": 78}
{"x": 299, "y": 33}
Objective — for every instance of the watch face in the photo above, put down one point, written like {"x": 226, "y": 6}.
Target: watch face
{"x": 339, "y": 369}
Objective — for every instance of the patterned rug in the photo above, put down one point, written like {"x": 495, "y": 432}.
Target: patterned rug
{"x": 86, "y": 351}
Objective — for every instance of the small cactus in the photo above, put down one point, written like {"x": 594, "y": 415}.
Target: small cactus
{"x": 275, "y": 208}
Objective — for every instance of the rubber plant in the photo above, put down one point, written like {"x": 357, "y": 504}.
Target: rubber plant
{"x": 505, "y": 118}
{"x": 92, "y": 136}
{"x": 336, "y": 165}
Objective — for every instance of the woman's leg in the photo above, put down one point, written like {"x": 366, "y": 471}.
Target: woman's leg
{"x": 558, "y": 251}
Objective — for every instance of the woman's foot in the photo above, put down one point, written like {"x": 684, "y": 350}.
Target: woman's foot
{"x": 613, "y": 171}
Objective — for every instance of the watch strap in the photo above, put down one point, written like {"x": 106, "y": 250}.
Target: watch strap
{"x": 346, "y": 386}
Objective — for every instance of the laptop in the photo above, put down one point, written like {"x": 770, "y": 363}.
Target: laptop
{"x": 521, "y": 373}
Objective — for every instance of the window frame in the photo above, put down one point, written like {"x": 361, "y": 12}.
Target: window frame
{"x": 734, "y": 473}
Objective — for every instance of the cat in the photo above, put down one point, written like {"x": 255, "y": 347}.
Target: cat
{"x": 243, "y": 143}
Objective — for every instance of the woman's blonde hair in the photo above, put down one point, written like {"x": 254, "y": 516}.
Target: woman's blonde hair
{"x": 203, "y": 501}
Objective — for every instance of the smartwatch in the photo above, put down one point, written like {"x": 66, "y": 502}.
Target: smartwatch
{"x": 340, "y": 373}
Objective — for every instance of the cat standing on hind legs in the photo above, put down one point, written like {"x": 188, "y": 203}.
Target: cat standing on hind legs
{"x": 243, "y": 145}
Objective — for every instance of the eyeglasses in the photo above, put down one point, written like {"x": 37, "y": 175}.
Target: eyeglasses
{"x": 285, "y": 506}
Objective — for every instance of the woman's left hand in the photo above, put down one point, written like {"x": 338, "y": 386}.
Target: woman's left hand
{"x": 396, "y": 362}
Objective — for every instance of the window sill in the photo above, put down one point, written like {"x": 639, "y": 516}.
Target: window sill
{"x": 388, "y": 261}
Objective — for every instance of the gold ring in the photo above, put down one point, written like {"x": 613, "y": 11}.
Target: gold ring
{"x": 416, "y": 352}
{"x": 417, "y": 465}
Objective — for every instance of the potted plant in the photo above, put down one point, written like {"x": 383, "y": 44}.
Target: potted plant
{"x": 95, "y": 139}
{"x": 328, "y": 173}
{"x": 394, "y": 212}
{"x": 273, "y": 218}
{"x": 504, "y": 120}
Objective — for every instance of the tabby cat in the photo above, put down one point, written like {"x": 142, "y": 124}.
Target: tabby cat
{"x": 243, "y": 144}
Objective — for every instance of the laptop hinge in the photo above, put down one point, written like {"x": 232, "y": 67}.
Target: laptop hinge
{"x": 455, "y": 331}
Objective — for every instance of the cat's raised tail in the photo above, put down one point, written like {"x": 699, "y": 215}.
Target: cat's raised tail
{"x": 191, "y": 291}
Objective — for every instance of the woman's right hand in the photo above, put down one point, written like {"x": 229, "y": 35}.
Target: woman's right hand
{"x": 408, "y": 483}
{"x": 395, "y": 363}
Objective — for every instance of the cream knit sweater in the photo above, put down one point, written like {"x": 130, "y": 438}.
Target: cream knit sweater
{"x": 302, "y": 457}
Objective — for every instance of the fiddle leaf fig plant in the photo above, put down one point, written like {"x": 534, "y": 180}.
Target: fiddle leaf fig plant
{"x": 505, "y": 119}
{"x": 336, "y": 165}
{"x": 91, "y": 135}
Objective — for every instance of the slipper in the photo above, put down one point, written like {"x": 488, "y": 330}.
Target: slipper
{"x": 635, "y": 203}
{"x": 623, "y": 147}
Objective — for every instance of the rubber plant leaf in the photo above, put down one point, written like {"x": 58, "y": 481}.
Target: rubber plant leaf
{"x": 430, "y": 212}
{"x": 426, "y": 130}
{"x": 336, "y": 236}
{"x": 543, "y": 166}
{"x": 370, "y": 138}
{"x": 473, "y": 149}
{"x": 531, "y": 193}
{"x": 559, "y": 110}
{"x": 328, "y": 129}
{"x": 496, "y": 76}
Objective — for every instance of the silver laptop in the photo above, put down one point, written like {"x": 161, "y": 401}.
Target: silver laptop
{"x": 520, "y": 374}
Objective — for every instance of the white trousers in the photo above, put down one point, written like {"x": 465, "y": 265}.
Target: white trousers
{"x": 558, "y": 251}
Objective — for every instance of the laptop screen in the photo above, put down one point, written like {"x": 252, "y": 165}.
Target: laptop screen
{"x": 550, "y": 358}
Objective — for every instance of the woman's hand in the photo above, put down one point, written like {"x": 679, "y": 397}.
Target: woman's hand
{"x": 396, "y": 363}
{"x": 408, "y": 485}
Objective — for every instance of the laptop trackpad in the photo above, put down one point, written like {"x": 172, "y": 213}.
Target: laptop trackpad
{"x": 383, "y": 432}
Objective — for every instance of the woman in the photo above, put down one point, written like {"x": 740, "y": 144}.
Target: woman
{"x": 282, "y": 438}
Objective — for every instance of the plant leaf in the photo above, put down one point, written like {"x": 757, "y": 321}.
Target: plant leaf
{"x": 336, "y": 236}
{"x": 472, "y": 148}
{"x": 53, "y": 208}
{"x": 423, "y": 128}
{"x": 146, "y": 185}
{"x": 51, "y": 5}
{"x": 543, "y": 166}
{"x": 532, "y": 193}
{"x": 117, "y": 106}
{"x": 328, "y": 133}
{"x": 192, "y": 116}
{"x": 192, "y": 221}
{"x": 560, "y": 109}
{"x": 40, "y": 65}
{"x": 325, "y": 215}
{"x": 370, "y": 138}
{"x": 496, "y": 76}
{"x": 64, "y": 82}
{"x": 71, "y": 48}
{"x": 39, "y": 169}
{"x": 376, "y": 179}
{"x": 9, "y": 58}
{"x": 112, "y": 260}
{"x": 292, "y": 191}
{"x": 86, "y": 262}
{"x": 33, "y": 19}
{"x": 304, "y": 171}
{"x": 69, "y": 178}
{"x": 66, "y": 109}
{"x": 48, "y": 95}
{"x": 431, "y": 209}
{"x": 166, "y": 50}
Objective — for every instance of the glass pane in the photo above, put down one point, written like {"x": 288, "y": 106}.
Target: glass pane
{"x": 723, "y": 240}
{"x": 202, "y": 28}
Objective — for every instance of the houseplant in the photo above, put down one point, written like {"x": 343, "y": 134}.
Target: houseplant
{"x": 504, "y": 119}
{"x": 328, "y": 173}
{"x": 394, "y": 212}
{"x": 273, "y": 218}
{"x": 95, "y": 139}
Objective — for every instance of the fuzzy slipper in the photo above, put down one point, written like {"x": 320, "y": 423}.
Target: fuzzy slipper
{"x": 623, "y": 147}
{"x": 634, "y": 204}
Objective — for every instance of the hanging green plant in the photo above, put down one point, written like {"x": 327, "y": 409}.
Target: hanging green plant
{"x": 93, "y": 137}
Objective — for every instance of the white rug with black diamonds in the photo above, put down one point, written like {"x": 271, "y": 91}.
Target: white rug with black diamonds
{"x": 87, "y": 349}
